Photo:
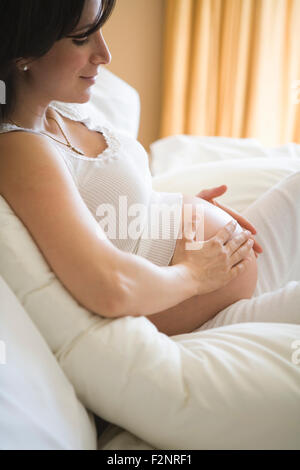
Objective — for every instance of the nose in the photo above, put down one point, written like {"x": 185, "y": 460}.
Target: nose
{"x": 102, "y": 54}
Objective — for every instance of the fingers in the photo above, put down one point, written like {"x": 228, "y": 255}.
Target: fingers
{"x": 226, "y": 232}
{"x": 237, "y": 241}
{"x": 239, "y": 268}
{"x": 248, "y": 226}
{"x": 242, "y": 252}
{"x": 211, "y": 193}
{"x": 240, "y": 259}
{"x": 257, "y": 247}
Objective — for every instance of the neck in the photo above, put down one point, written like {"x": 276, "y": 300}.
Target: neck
{"x": 32, "y": 110}
{"x": 47, "y": 124}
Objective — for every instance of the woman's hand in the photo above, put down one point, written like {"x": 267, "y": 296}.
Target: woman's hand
{"x": 214, "y": 263}
{"x": 209, "y": 194}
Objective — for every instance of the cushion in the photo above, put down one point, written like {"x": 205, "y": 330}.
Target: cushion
{"x": 116, "y": 438}
{"x": 247, "y": 168}
{"x": 214, "y": 389}
{"x": 39, "y": 408}
{"x": 115, "y": 102}
{"x": 181, "y": 151}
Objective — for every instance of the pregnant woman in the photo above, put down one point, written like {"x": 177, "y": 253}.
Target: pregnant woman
{"x": 58, "y": 165}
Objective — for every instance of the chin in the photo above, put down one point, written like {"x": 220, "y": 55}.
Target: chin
{"x": 86, "y": 94}
{"x": 85, "y": 100}
{"x": 82, "y": 98}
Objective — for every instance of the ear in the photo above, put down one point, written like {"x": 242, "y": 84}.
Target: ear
{"x": 21, "y": 64}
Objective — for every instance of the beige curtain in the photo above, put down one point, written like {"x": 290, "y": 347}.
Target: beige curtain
{"x": 232, "y": 68}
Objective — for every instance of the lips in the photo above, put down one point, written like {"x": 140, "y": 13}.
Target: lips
{"x": 90, "y": 76}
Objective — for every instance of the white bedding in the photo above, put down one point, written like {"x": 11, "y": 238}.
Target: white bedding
{"x": 229, "y": 387}
{"x": 39, "y": 409}
{"x": 182, "y": 151}
{"x": 244, "y": 165}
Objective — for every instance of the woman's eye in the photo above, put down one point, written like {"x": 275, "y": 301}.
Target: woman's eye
{"x": 78, "y": 42}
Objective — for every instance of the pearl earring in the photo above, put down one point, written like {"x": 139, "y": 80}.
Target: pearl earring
{"x": 25, "y": 68}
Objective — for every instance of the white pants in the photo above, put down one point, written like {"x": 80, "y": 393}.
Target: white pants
{"x": 276, "y": 217}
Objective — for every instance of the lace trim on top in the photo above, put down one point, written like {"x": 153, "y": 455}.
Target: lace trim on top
{"x": 70, "y": 111}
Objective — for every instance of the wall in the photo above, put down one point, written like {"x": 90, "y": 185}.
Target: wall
{"x": 134, "y": 35}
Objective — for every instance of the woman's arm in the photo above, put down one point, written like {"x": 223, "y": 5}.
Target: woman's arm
{"x": 38, "y": 186}
{"x": 148, "y": 288}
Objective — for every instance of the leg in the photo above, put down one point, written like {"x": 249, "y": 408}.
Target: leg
{"x": 280, "y": 306}
{"x": 276, "y": 215}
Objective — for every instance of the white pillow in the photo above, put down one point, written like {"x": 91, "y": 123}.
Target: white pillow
{"x": 246, "y": 178}
{"x": 116, "y": 438}
{"x": 115, "y": 102}
{"x": 228, "y": 387}
{"x": 39, "y": 409}
{"x": 182, "y": 151}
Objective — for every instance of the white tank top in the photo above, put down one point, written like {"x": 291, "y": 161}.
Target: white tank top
{"x": 115, "y": 183}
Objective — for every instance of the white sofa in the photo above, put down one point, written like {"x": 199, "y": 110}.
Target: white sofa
{"x": 233, "y": 387}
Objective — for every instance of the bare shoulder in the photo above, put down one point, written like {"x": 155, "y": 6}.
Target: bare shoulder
{"x": 34, "y": 178}
{"x": 19, "y": 153}
{"x": 37, "y": 184}
{"x": 27, "y": 158}
{"x": 12, "y": 137}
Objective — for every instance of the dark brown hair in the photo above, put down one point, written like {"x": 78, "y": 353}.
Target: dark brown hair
{"x": 29, "y": 29}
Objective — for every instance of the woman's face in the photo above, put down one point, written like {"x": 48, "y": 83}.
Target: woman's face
{"x": 58, "y": 74}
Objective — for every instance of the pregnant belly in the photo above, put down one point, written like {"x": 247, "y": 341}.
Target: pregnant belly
{"x": 214, "y": 218}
